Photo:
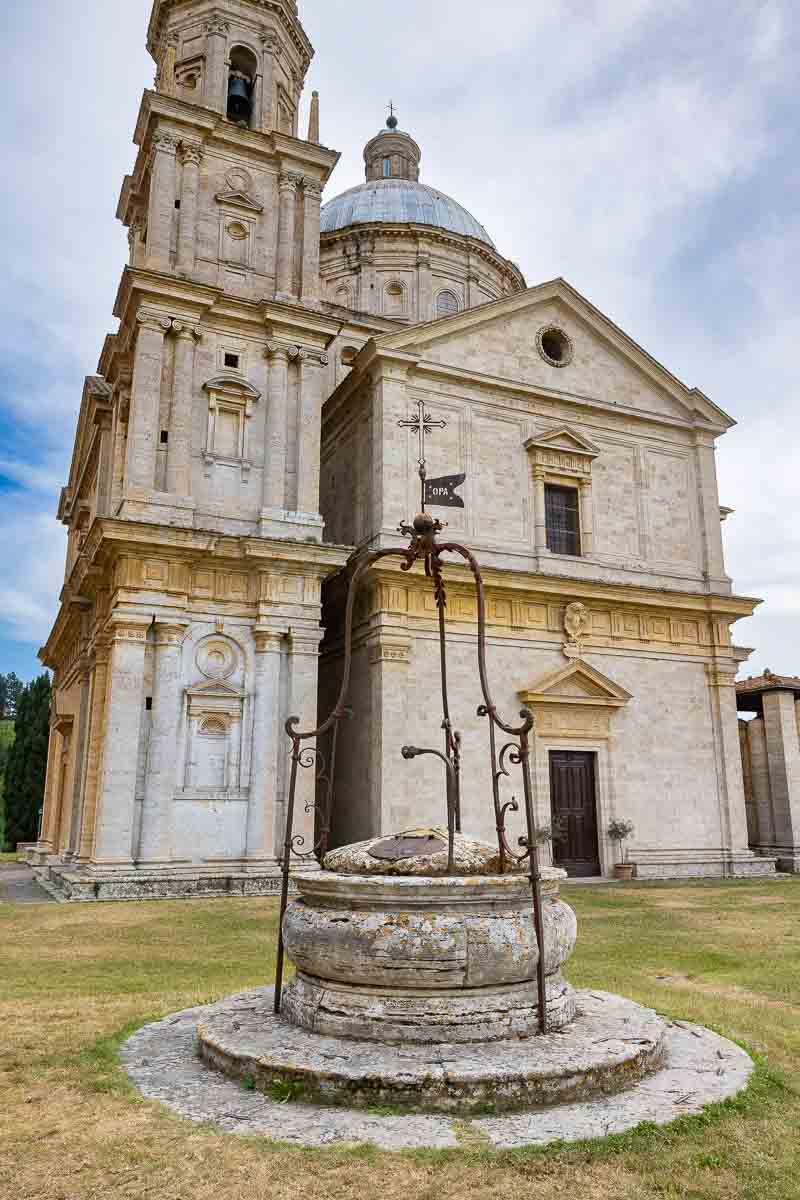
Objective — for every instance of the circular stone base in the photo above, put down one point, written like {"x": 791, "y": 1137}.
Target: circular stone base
{"x": 700, "y": 1068}
{"x": 445, "y": 1016}
{"x": 612, "y": 1044}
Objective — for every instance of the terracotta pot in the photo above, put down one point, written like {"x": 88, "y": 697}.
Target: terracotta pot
{"x": 623, "y": 871}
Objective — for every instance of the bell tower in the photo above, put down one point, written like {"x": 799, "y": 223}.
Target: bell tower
{"x": 190, "y": 615}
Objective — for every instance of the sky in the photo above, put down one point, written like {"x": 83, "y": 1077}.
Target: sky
{"x": 646, "y": 152}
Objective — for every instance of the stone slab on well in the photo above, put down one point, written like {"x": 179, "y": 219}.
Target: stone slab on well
{"x": 700, "y": 1068}
{"x": 612, "y": 1044}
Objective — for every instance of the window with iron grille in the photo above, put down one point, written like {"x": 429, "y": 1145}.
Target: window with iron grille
{"x": 563, "y": 520}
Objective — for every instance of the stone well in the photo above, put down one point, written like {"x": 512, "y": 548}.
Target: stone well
{"x": 417, "y": 988}
{"x": 440, "y": 959}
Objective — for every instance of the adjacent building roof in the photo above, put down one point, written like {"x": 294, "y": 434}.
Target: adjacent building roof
{"x": 749, "y": 691}
{"x": 400, "y": 202}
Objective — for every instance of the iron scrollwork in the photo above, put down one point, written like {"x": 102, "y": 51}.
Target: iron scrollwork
{"x": 515, "y": 753}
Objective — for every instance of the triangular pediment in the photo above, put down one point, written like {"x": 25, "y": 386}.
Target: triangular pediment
{"x": 564, "y": 439}
{"x": 217, "y": 688}
{"x": 576, "y": 683}
{"x": 239, "y": 200}
{"x": 498, "y": 343}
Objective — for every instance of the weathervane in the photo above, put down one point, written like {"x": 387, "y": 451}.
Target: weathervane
{"x": 422, "y": 425}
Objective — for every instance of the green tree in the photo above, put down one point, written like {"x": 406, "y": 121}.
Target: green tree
{"x": 6, "y": 740}
{"x": 27, "y": 763}
{"x": 10, "y": 691}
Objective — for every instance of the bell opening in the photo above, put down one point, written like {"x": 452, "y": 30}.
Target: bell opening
{"x": 241, "y": 85}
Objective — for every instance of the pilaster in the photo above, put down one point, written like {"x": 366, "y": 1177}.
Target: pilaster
{"x": 392, "y": 804}
{"x": 216, "y": 30}
{"x": 179, "y": 454}
{"x": 143, "y": 425}
{"x": 94, "y": 755}
{"x": 155, "y": 842}
{"x": 730, "y": 780}
{"x": 191, "y": 155}
{"x": 783, "y": 763}
{"x": 539, "y": 512}
{"x": 287, "y": 220}
{"x": 312, "y": 199}
{"x": 117, "y": 793}
{"x": 263, "y": 806}
{"x": 163, "y": 194}
{"x": 303, "y": 664}
{"x": 309, "y": 435}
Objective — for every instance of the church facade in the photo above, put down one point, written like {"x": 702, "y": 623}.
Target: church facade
{"x": 242, "y": 437}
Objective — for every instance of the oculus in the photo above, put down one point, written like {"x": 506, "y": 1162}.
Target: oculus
{"x": 554, "y": 346}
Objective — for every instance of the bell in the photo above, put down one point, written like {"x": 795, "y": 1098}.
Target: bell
{"x": 240, "y": 106}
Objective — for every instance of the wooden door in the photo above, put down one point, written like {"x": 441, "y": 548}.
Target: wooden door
{"x": 574, "y": 809}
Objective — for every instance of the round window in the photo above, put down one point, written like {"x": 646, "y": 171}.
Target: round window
{"x": 554, "y": 346}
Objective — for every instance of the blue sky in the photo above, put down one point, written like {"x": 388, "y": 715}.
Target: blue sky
{"x": 647, "y": 152}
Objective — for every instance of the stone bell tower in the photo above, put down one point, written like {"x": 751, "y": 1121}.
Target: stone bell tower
{"x": 190, "y": 616}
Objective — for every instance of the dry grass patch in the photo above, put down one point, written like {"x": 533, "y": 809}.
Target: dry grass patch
{"x": 73, "y": 979}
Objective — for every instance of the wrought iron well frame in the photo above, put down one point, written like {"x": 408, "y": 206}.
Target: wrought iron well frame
{"x": 518, "y": 751}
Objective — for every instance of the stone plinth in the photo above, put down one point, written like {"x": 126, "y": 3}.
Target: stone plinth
{"x": 442, "y": 959}
{"x": 612, "y": 1045}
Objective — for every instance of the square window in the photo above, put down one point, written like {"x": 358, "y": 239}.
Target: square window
{"x": 232, "y": 360}
{"x": 562, "y": 515}
{"x": 164, "y": 437}
{"x": 149, "y": 704}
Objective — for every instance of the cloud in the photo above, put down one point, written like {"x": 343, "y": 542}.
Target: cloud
{"x": 647, "y": 152}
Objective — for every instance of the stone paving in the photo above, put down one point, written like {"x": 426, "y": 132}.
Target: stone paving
{"x": 162, "y": 1060}
{"x": 18, "y": 885}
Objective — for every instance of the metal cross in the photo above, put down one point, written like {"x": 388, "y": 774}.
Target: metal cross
{"x": 391, "y": 108}
{"x": 423, "y": 424}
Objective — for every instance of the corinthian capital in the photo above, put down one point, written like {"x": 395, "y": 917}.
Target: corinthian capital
{"x": 166, "y": 142}
{"x": 191, "y": 152}
{"x": 217, "y": 24}
{"x": 312, "y": 187}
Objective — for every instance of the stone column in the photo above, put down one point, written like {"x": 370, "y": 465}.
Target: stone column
{"x": 725, "y": 725}
{"x": 94, "y": 753}
{"x": 274, "y": 483}
{"x": 783, "y": 760}
{"x": 105, "y": 466}
{"x": 587, "y": 516}
{"x": 309, "y": 431}
{"x": 392, "y": 802}
{"x": 270, "y": 44}
{"x": 163, "y": 194}
{"x": 191, "y": 156}
{"x": 759, "y": 775}
{"x": 312, "y": 198}
{"x": 144, "y": 425}
{"x": 122, "y": 412}
{"x": 46, "y": 840}
{"x": 156, "y": 841}
{"x": 216, "y": 82}
{"x": 261, "y": 811}
{"x": 424, "y": 288}
{"x": 708, "y": 496}
{"x": 179, "y": 452}
{"x": 539, "y": 511}
{"x": 80, "y": 762}
{"x": 303, "y": 670}
{"x": 117, "y": 792}
{"x": 286, "y": 234}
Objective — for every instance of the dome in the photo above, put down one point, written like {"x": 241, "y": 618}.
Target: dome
{"x": 400, "y": 202}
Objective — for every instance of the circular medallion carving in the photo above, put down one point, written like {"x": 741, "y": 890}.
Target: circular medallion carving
{"x": 217, "y": 659}
{"x": 554, "y": 346}
{"x": 239, "y": 180}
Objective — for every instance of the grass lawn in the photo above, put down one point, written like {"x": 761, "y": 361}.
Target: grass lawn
{"x": 73, "y": 979}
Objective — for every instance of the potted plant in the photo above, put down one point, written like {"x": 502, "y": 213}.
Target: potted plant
{"x": 619, "y": 831}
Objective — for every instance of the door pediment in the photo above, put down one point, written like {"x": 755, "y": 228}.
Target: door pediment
{"x": 577, "y": 683}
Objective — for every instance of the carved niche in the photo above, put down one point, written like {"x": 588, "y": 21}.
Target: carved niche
{"x": 215, "y": 714}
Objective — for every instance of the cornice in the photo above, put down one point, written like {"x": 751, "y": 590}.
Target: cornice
{"x": 434, "y": 234}
{"x": 288, "y": 19}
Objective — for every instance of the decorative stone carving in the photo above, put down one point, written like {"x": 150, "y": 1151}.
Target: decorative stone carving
{"x": 191, "y": 152}
{"x": 153, "y": 320}
{"x": 217, "y": 659}
{"x": 577, "y": 621}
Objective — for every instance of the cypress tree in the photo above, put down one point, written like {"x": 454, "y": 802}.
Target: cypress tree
{"x": 27, "y": 763}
